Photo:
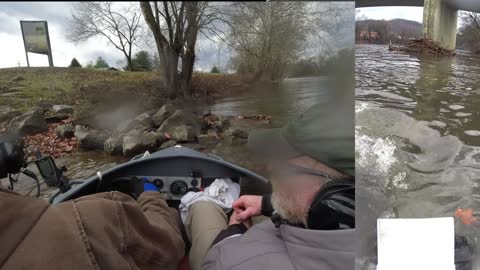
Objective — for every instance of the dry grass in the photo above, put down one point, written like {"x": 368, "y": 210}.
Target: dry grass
{"x": 76, "y": 85}
{"x": 95, "y": 91}
{"x": 62, "y": 85}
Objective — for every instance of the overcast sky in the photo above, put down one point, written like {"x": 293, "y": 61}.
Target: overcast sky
{"x": 57, "y": 14}
{"x": 388, "y": 13}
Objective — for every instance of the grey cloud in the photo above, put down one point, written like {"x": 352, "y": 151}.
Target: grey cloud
{"x": 58, "y": 13}
{"x": 53, "y": 12}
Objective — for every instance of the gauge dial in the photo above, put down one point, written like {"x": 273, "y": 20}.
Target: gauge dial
{"x": 178, "y": 188}
{"x": 194, "y": 183}
{"x": 158, "y": 182}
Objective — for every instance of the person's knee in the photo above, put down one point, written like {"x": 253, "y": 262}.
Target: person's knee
{"x": 205, "y": 215}
{"x": 205, "y": 206}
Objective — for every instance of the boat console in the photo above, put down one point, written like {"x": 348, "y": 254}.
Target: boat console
{"x": 175, "y": 171}
{"x": 174, "y": 187}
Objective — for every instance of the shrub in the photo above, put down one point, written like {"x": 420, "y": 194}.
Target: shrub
{"x": 101, "y": 63}
{"x": 215, "y": 70}
{"x": 75, "y": 63}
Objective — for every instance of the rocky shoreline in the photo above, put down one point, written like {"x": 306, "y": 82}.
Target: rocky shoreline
{"x": 52, "y": 129}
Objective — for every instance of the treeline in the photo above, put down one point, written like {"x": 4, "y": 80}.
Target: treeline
{"x": 468, "y": 37}
{"x": 383, "y": 32}
{"x": 142, "y": 61}
{"x": 265, "y": 37}
{"x": 315, "y": 66}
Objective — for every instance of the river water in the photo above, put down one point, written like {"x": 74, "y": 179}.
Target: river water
{"x": 417, "y": 141}
{"x": 283, "y": 101}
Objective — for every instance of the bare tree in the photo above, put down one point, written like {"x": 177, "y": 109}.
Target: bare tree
{"x": 469, "y": 32}
{"x": 267, "y": 36}
{"x": 175, "y": 27}
{"x": 121, "y": 26}
{"x": 471, "y": 18}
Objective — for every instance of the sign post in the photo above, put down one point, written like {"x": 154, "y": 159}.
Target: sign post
{"x": 50, "y": 58}
{"x": 24, "y": 44}
{"x": 36, "y": 39}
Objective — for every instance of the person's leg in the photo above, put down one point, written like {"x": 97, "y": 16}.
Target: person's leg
{"x": 204, "y": 222}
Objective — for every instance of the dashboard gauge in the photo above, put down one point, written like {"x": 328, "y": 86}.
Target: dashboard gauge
{"x": 194, "y": 183}
{"x": 179, "y": 188}
{"x": 158, "y": 182}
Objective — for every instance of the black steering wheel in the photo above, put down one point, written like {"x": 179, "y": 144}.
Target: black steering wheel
{"x": 129, "y": 185}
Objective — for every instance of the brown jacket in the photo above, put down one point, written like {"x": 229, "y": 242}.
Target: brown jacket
{"x": 103, "y": 231}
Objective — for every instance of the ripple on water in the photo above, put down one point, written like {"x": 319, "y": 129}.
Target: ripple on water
{"x": 472, "y": 132}
{"x": 456, "y": 107}
{"x": 437, "y": 123}
{"x": 462, "y": 114}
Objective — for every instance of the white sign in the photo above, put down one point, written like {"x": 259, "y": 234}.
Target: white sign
{"x": 416, "y": 244}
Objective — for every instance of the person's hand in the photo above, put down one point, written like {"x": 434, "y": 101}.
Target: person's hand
{"x": 234, "y": 220}
{"x": 247, "y": 206}
{"x": 466, "y": 216}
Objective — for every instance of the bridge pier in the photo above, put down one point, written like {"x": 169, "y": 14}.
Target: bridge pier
{"x": 440, "y": 23}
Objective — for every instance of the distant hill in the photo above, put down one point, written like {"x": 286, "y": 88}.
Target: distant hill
{"x": 397, "y": 26}
{"x": 382, "y": 31}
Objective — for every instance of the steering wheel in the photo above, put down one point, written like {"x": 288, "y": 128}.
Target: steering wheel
{"x": 129, "y": 185}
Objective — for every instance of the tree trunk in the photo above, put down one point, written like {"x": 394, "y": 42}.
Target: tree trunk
{"x": 187, "y": 67}
{"x": 257, "y": 75}
{"x": 168, "y": 57}
{"x": 261, "y": 69}
{"x": 188, "y": 59}
{"x": 170, "y": 53}
{"x": 129, "y": 63}
{"x": 171, "y": 72}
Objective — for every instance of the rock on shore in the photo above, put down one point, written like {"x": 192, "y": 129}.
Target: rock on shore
{"x": 153, "y": 130}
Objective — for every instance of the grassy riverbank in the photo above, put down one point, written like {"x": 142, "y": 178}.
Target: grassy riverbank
{"x": 23, "y": 88}
{"x": 95, "y": 91}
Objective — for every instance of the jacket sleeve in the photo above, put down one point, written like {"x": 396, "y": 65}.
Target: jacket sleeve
{"x": 232, "y": 230}
{"x": 267, "y": 208}
{"x": 153, "y": 233}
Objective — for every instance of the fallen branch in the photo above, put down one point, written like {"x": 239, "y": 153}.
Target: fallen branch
{"x": 427, "y": 46}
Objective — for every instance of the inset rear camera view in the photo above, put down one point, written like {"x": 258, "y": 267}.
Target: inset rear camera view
{"x": 417, "y": 105}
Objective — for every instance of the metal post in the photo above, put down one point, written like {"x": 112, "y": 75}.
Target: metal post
{"x": 50, "y": 58}
{"x": 24, "y": 44}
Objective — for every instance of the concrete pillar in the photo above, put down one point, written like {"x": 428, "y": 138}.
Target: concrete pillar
{"x": 440, "y": 23}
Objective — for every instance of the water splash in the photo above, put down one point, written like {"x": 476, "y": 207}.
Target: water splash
{"x": 472, "y": 132}
{"x": 374, "y": 153}
{"x": 361, "y": 106}
{"x": 398, "y": 181}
